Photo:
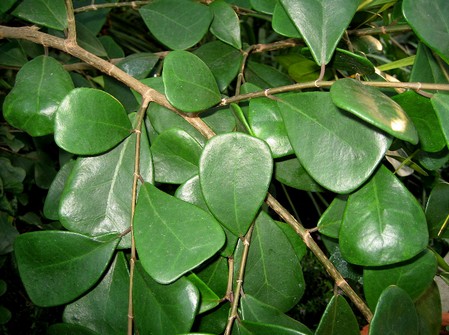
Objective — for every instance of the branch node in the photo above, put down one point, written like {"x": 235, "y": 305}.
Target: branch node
{"x": 265, "y": 92}
{"x": 222, "y": 102}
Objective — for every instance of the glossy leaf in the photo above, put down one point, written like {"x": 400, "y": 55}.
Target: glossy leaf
{"x": 395, "y": 314}
{"x": 338, "y": 318}
{"x": 273, "y": 272}
{"x": 256, "y": 328}
{"x": 352, "y": 63}
{"x": 290, "y": 172}
{"x": 89, "y": 41}
{"x": 257, "y": 311}
{"x": 437, "y": 211}
{"x": 374, "y": 107}
{"x": 321, "y": 23}
{"x": 47, "y": 13}
{"x": 282, "y": 24}
{"x": 433, "y": 27}
{"x": 138, "y": 65}
{"x": 225, "y": 25}
{"x": 41, "y": 85}
{"x": 337, "y": 150}
{"x": 428, "y": 307}
{"x": 265, "y": 76}
{"x": 97, "y": 196}
{"x": 433, "y": 160}
{"x": 232, "y": 191}
{"x": 440, "y": 103}
{"x": 108, "y": 297}
{"x": 171, "y": 307}
{"x": 190, "y": 20}
{"x": 209, "y": 299}
{"x": 189, "y": 84}
{"x": 12, "y": 54}
{"x": 414, "y": 277}
{"x": 264, "y": 6}
{"x": 69, "y": 329}
{"x": 176, "y": 156}
{"x": 58, "y": 266}
{"x": 173, "y": 236}
{"x": 90, "y": 121}
{"x": 420, "y": 110}
{"x": 383, "y": 223}
{"x": 266, "y": 122}
{"x": 215, "y": 275}
{"x": 330, "y": 222}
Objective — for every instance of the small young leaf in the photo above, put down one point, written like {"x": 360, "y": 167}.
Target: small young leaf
{"x": 41, "y": 85}
{"x": 90, "y": 121}
{"x": 48, "y": 13}
{"x": 189, "y": 84}
{"x": 58, "y": 266}
{"x": 173, "y": 236}
{"x": 225, "y": 25}
{"x": 338, "y": 319}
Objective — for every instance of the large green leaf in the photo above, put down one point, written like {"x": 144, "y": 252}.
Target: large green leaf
{"x": 428, "y": 307}
{"x": 189, "y": 84}
{"x": 103, "y": 309}
{"x": 179, "y": 24}
{"x": 437, "y": 211}
{"x": 41, "y": 85}
{"x": 273, "y": 272}
{"x": 321, "y": 23}
{"x": 47, "y": 13}
{"x": 90, "y": 121}
{"x": 395, "y": 314}
{"x": 413, "y": 276}
{"x": 430, "y": 22}
{"x": 339, "y": 151}
{"x": 173, "y": 236}
{"x": 176, "y": 155}
{"x": 256, "y": 328}
{"x": 383, "y": 223}
{"x": 232, "y": 191}
{"x": 338, "y": 319}
{"x": 98, "y": 194}
{"x": 440, "y": 103}
{"x": 58, "y": 266}
{"x": 374, "y": 107}
{"x": 225, "y": 25}
{"x": 163, "y": 309}
{"x": 69, "y": 329}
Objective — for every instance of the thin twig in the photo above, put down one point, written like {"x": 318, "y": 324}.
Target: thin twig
{"x": 92, "y": 7}
{"x": 380, "y": 30}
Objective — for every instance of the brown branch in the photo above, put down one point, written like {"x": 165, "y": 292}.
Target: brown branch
{"x": 71, "y": 27}
{"x": 132, "y": 4}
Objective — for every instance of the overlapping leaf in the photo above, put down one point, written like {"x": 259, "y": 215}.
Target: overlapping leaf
{"x": 225, "y": 25}
{"x": 437, "y": 211}
{"x": 48, "y": 13}
{"x": 290, "y": 172}
{"x": 440, "y": 103}
{"x": 338, "y": 319}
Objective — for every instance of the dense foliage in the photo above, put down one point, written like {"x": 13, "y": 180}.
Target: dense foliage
{"x": 148, "y": 148}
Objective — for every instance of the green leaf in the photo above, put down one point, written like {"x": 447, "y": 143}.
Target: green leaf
{"x": 330, "y": 222}
{"x": 138, "y": 65}
{"x": 163, "y": 309}
{"x": 428, "y": 307}
{"x": 352, "y": 63}
{"x": 94, "y": 20}
{"x": 433, "y": 27}
{"x": 290, "y": 172}
{"x": 6, "y": 5}
{"x": 433, "y": 160}
{"x": 190, "y": 20}
{"x": 47, "y": 13}
{"x": 273, "y": 272}
{"x": 338, "y": 318}
{"x": 190, "y": 191}
{"x": 414, "y": 277}
{"x": 9, "y": 233}
{"x": 264, "y": 6}
{"x": 282, "y": 24}
{"x": 11, "y": 176}
{"x": 321, "y": 23}
{"x": 266, "y": 122}
{"x": 374, "y": 107}
{"x": 349, "y": 150}
{"x": 108, "y": 297}
{"x": 225, "y": 25}
{"x": 189, "y": 84}
{"x": 257, "y": 311}
{"x": 265, "y": 76}
{"x": 88, "y": 41}
{"x": 12, "y": 54}
{"x": 256, "y": 328}
{"x": 58, "y": 266}
{"x": 420, "y": 110}
{"x": 209, "y": 299}
{"x": 98, "y": 194}
{"x": 232, "y": 191}
{"x": 90, "y": 121}
{"x": 5, "y": 315}
{"x": 395, "y": 314}
{"x": 215, "y": 275}
{"x": 383, "y": 223}
{"x": 440, "y": 103}
{"x": 437, "y": 211}
{"x": 41, "y": 85}
{"x": 173, "y": 236}
{"x": 176, "y": 155}
{"x": 69, "y": 329}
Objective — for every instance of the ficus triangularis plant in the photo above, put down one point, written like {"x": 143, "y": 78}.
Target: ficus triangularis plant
{"x": 171, "y": 136}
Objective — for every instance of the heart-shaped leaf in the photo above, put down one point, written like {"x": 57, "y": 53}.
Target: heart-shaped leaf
{"x": 107, "y": 297}
{"x": 321, "y": 23}
{"x": 437, "y": 211}
{"x": 225, "y": 25}
{"x": 175, "y": 305}
{"x": 414, "y": 277}
{"x": 374, "y": 107}
{"x": 338, "y": 319}
{"x": 232, "y": 191}
{"x": 179, "y": 24}
{"x": 433, "y": 27}
{"x": 189, "y": 84}
{"x": 58, "y": 266}
{"x": 48, "y": 13}
{"x": 41, "y": 85}
{"x": 383, "y": 223}
{"x": 90, "y": 121}
{"x": 173, "y": 236}
{"x": 440, "y": 103}
{"x": 337, "y": 150}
